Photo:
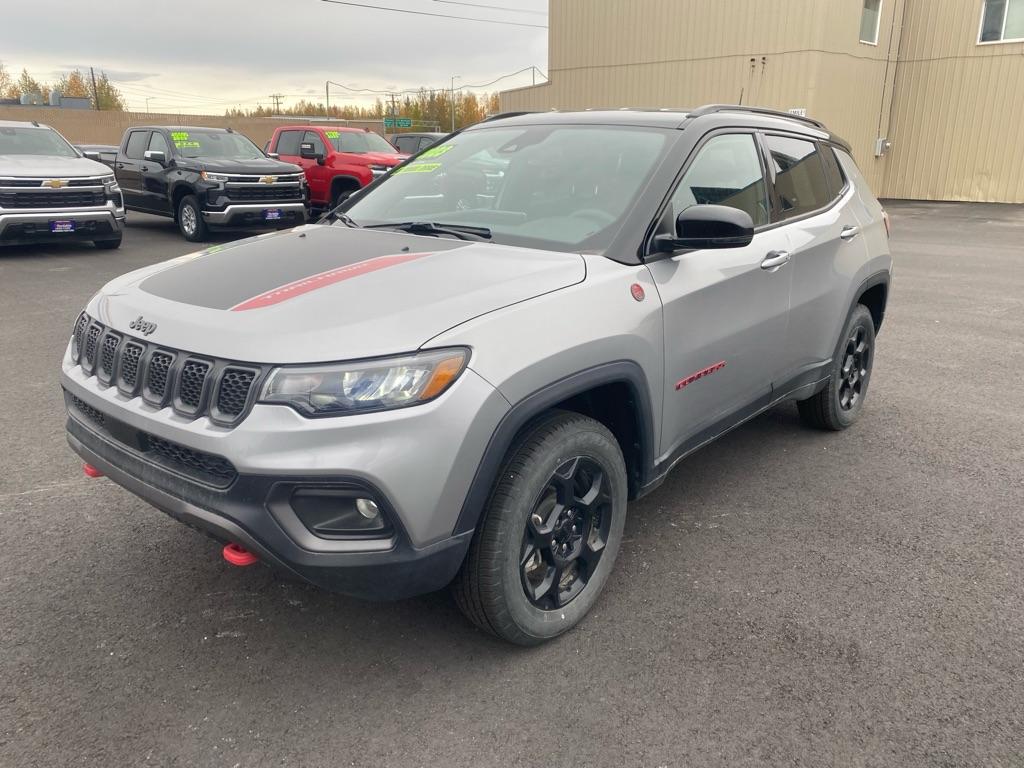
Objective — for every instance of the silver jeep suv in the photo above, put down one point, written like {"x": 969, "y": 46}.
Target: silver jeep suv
{"x": 466, "y": 372}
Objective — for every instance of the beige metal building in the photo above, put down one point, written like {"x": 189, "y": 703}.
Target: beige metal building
{"x": 942, "y": 81}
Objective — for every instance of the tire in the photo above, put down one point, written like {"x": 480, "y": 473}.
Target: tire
{"x": 840, "y": 403}
{"x": 339, "y": 195}
{"x": 563, "y": 456}
{"x": 108, "y": 245}
{"x": 190, "y": 220}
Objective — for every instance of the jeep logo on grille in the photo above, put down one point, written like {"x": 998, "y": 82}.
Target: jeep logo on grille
{"x": 143, "y": 326}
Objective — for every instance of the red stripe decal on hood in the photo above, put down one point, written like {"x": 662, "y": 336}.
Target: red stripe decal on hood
{"x": 322, "y": 280}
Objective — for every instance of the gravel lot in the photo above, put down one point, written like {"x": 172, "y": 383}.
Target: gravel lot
{"x": 786, "y": 598}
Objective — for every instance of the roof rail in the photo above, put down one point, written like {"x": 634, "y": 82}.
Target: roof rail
{"x": 710, "y": 109}
{"x": 503, "y": 115}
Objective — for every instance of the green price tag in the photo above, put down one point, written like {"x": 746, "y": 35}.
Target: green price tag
{"x": 177, "y": 136}
{"x": 332, "y": 134}
{"x": 418, "y": 168}
{"x": 437, "y": 151}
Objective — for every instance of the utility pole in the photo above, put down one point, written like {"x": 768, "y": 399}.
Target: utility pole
{"x": 454, "y": 78}
{"x": 147, "y": 103}
{"x": 277, "y": 102}
{"x": 327, "y": 91}
{"x": 95, "y": 93}
{"x": 394, "y": 114}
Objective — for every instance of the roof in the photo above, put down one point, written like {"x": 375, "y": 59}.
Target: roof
{"x": 22, "y": 124}
{"x": 175, "y": 128}
{"x": 325, "y": 126}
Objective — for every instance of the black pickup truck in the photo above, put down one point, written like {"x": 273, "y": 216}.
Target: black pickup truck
{"x": 206, "y": 178}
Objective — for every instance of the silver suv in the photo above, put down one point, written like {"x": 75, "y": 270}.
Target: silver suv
{"x": 467, "y": 371}
{"x": 50, "y": 192}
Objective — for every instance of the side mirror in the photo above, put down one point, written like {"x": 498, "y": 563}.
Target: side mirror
{"x": 273, "y": 155}
{"x": 307, "y": 152}
{"x": 155, "y": 156}
{"x": 91, "y": 154}
{"x": 708, "y": 226}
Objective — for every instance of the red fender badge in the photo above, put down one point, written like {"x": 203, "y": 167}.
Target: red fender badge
{"x": 683, "y": 383}
{"x": 638, "y": 291}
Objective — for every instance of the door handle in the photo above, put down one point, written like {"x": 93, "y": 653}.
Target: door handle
{"x": 775, "y": 259}
{"x": 849, "y": 232}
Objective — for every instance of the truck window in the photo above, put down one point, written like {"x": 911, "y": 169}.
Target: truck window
{"x": 157, "y": 143}
{"x": 288, "y": 143}
{"x": 312, "y": 137}
{"x": 136, "y": 144}
{"x": 407, "y": 144}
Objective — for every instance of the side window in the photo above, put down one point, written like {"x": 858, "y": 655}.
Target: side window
{"x": 137, "y": 141}
{"x": 834, "y": 174}
{"x": 314, "y": 138}
{"x": 427, "y": 142}
{"x": 157, "y": 143}
{"x": 288, "y": 143}
{"x": 726, "y": 171}
{"x": 799, "y": 176}
{"x": 870, "y": 19}
{"x": 406, "y": 144}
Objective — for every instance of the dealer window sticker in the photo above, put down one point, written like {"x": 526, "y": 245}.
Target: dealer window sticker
{"x": 418, "y": 168}
{"x": 332, "y": 134}
{"x": 437, "y": 151}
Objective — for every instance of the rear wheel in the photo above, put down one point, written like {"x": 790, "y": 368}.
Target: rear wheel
{"x": 551, "y": 532}
{"x": 108, "y": 245}
{"x": 839, "y": 404}
{"x": 190, "y": 220}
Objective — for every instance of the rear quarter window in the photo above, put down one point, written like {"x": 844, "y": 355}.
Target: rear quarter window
{"x": 834, "y": 174}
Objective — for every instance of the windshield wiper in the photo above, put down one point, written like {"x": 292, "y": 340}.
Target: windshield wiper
{"x": 335, "y": 215}
{"x": 433, "y": 228}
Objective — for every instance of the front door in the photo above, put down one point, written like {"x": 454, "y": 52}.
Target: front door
{"x": 128, "y": 169}
{"x": 154, "y": 177}
{"x": 725, "y": 310}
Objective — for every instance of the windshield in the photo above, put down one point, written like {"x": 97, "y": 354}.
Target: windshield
{"x": 228, "y": 146}
{"x": 563, "y": 187}
{"x": 34, "y": 141}
{"x": 359, "y": 143}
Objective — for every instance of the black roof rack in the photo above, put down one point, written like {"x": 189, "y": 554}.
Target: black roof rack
{"x": 503, "y": 115}
{"x": 710, "y": 109}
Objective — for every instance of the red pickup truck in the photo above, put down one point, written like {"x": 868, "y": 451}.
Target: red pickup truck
{"x": 337, "y": 161}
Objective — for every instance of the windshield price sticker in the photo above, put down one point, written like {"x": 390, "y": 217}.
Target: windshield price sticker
{"x": 181, "y": 140}
{"x": 437, "y": 151}
{"x": 332, "y": 134}
{"x": 418, "y": 168}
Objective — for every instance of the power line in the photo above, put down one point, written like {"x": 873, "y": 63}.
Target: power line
{"x": 436, "y": 15}
{"x": 493, "y": 7}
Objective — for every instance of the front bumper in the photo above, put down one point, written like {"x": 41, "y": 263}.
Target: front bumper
{"x": 418, "y": 461}
{"x": 251, "y": 215}
{"x": 20, "y": 226}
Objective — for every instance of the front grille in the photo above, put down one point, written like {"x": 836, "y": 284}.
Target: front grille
{"x": 205, "y": 467}
{"x": 285, "y": 193}
{"x": 71, "y": 199}
{"x": 193, "y": 386}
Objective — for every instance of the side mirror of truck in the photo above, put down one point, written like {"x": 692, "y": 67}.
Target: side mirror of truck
{"x": 707, "y": 226}
{"x": 155, "y": 156}
{"x": 91, "y": 154}
{"x": 307, "y": 152}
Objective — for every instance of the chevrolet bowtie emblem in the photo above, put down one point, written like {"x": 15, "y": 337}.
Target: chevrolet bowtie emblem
{"x": 55, "y": 183}
{"x": 268, "y": 179}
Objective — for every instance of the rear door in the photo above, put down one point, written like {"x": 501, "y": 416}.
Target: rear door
{"x": 827, "y": 249}
{"x": 725, "y": 310}
{"x": 155, "y": 196}
{"x": 128, "y": 168}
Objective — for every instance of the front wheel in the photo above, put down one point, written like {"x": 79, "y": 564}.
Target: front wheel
{"x": 190, "y": 220}
{"x": 550, "y": 534}
{"x": 839, "y": 404}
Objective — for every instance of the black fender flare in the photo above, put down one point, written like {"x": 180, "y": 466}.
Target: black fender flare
{"x": 533, "y": 405}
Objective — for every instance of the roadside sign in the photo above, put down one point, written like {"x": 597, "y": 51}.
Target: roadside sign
{"x": 398, "y": 122}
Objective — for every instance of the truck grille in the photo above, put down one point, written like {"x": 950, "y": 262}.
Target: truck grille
{"x": 193, "y": 385}
{"x": 205, "y": 467}
{"x": 57, "y": 199}
{"x": 284, "y": 193}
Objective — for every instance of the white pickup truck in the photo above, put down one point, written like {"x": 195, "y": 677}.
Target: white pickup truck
{"x": 51, "y": 192}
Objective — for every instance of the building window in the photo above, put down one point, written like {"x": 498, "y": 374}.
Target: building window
{"x": 870, "y": 19}
{"x": 1002, "y": 21}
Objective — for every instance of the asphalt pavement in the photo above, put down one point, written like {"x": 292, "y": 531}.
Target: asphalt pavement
{"x": 786, "y": 598}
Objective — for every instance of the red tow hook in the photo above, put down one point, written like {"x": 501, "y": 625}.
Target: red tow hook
{"x": 91, "y": 471}
{"x": 236, "y": 555}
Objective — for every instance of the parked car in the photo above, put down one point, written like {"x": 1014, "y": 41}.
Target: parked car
{"x": 50, "y": 192}
{"x": 450, "y": 384}
{"x": 337, "y": 161}
{"x": 207, "y": 178}
{"x": 411, "y": 143}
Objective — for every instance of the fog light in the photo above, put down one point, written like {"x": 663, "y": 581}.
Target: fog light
{"x": 367, "y": 508}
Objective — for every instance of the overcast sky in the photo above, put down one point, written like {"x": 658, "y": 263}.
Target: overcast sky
{"x": 197, "y": 57}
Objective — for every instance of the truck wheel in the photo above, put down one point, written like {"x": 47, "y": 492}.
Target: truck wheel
{"x": 839, "y": 404}
{"x": 108, "y": 245}
{"x": 550, "y": 533}
{"x": 190, "y": 220}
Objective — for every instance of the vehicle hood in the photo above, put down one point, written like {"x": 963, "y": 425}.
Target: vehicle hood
{"x": 382, "y": 158}
{"x": 46, "y": 165}
{"x": 324, "y": 293}
{"x": 257, "y": 166}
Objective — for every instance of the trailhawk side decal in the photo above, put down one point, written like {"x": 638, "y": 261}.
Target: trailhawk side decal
{"x": 683, "y": 383}
{"x": 323, "y": 279}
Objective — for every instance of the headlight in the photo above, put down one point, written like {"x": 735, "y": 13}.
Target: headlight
{"x": 380, "y": 168}
{"x": 110, "y": 183}
{"x": 207, "y": 176}
{"x": 368, "y": 385}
